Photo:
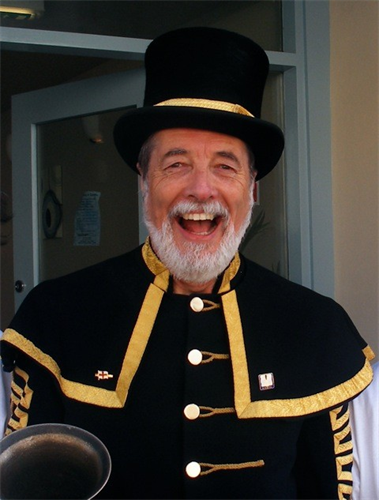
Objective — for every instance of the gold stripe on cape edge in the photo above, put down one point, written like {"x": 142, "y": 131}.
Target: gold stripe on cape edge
{"x": 242, "y": 394}
{"x": 96, "y": 395}
{"x": 295, "y": 407}
{"x": 139, "y": 339}
{"x": 369, "y": 353}
{"x": 73, "y": 390}
{"x": 307, "y": 405}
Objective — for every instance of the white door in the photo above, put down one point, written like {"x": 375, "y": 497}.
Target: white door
{"x": 33, "y": 110}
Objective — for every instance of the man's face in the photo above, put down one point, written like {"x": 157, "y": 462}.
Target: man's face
{"x": 198, "y": 186}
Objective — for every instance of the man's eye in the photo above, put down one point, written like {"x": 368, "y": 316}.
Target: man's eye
{"x": 226, "y": 168}
{"x": 175, "y": 165}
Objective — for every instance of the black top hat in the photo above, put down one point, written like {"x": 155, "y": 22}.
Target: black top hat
{"x": 208, "y": 79}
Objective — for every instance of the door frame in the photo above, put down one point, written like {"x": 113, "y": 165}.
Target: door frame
{"x": 305, "y": 67}
{"x": 31, "y": 109}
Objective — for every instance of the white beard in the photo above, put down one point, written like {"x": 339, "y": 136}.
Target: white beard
{"x": 197, "y": 263}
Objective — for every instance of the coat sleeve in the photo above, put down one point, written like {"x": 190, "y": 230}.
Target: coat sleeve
{"x": 35, "y": 396}
{"x": 325, "y": 456}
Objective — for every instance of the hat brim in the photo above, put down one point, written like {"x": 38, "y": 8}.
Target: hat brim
{"x": 265, "y": 139}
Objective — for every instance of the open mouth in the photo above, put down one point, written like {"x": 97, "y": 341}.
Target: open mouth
{"x": 201, "y": 224}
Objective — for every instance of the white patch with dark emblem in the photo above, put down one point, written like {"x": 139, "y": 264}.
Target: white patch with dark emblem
{"x": 266, "y": 381}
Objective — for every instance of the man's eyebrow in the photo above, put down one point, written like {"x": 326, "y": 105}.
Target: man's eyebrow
{"x": 223, "y": 154}
{"x": 175, "y": 152}
{"x": 229, "y": 155}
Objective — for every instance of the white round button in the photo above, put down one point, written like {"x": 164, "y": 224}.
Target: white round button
{"x": 195, "y": 357}
{"x": 193, "y": 469}
{"x": 192, "y": 411}
{"x": 197, "y": 304}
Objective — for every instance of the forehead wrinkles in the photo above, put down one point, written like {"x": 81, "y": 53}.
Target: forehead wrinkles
{"x": 230, "y": 155}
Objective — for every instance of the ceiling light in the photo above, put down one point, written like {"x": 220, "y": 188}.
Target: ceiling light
{"x": 21, "y": 10}
{"x": 91, "y": 125}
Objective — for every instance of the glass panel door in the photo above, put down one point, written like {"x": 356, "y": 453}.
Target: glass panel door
{"x": 266, "y": 242}
{"x": 87, "y": 196}
{"x": 48, "y": 125}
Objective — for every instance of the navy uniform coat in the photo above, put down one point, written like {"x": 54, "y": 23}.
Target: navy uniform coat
{"x": 241, "y": 393}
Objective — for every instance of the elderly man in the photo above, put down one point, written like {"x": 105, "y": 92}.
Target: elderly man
{"x": 205, "y": 375}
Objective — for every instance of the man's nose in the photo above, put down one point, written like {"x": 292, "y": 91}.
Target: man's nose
{"x": 201, "y": 185}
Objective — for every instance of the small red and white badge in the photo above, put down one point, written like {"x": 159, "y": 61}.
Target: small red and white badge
{"x": 266, "y": 381}
{"x": 103, "y": 375}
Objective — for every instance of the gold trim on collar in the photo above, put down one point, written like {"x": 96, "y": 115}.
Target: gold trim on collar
{"x": 229, "y": 274}
{"x": 159, "y": 270}
{"x": 162, "y": 274}
{"x": 296, "y": 407}
{"x": 207, "y": 104}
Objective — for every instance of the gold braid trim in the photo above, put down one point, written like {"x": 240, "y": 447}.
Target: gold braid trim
{"x": 193, "y": 102}
{"x": 208, "y": 411}
{"x": 242, "y": 394}
{"x": 369, "y": 353}
{"x": 210, "y": 306}
{"x": 341, "y": 435}
{"x": 229, "y": 274}
{"x": 345, "y": 491}
{"x": 96, "y": 395}
{"x": 276, "y": 408}
{"x": 344, "y": 460}
{"x": 16, "y": 392}
{"x": 338, "y": 419}
{"x": 345, "y": 447}
{"x": 139, "y": 339}
{"x": 211, "y": 356}
{"x": 21, "y": 398}
{"x": 159, "y": 270}
{"x": 209, "y": 468}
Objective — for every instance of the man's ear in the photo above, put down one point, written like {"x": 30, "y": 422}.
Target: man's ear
{"x": 141, "y": 180}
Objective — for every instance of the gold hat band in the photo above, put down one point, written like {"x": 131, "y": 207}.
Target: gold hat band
{"x": 207, "y": 104}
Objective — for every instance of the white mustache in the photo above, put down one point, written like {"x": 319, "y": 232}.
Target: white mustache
{"x": 213, "y": 208}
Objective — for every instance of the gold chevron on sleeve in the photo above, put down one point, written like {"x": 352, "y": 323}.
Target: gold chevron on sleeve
{"x": 339, "y": 420}
{"x": 21, "y": 398}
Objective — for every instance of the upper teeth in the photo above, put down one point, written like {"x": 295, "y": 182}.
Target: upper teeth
{"x": 198, "y": 216}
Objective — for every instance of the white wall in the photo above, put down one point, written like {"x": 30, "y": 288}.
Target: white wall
{"x": 355, "y": 160}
